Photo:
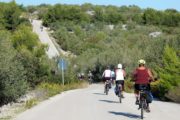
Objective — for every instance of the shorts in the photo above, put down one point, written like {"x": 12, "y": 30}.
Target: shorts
{"x": 120, "y": 82}
{"x": 106, "y": 78}
{"x": 138, "y": 87}
{"x": 113, "y": 78}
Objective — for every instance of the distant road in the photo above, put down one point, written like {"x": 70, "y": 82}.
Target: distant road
{"x": 44, "y": 38}
{"x": 92, "y": 104}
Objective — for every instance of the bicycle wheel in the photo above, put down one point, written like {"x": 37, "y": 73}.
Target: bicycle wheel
{"x": 107, "y": 89}
{"x": 120, "y": 95}
{"x": 142, "y": 108}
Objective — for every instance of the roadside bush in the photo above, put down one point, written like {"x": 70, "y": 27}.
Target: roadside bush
{"x": 174, "y": 94}
{"x": 129, "y": 86}
{"x": 154, "y": 88}
{"x": 169, "y": 72}
{"x": 23, "y": 37}
{"x": 13, "y": 81}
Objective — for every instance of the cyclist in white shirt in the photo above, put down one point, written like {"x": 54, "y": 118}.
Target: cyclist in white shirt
{"x": 107, "y": 76}
{"x": 120, "y": 75}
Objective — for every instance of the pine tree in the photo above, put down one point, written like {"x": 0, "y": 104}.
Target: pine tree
{"x": 169, "y": 72}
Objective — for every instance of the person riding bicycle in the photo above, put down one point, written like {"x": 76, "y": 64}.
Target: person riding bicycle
{"x": 90, "y": 76}
{"x": 41, "y": 27}
{"x": 107, "y": 75}
{"x": 113, "y": 76}
{"x": 120, "y": 75}
{"x": 142, "y": 76}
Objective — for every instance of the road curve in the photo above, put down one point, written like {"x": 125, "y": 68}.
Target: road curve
{"x": 92, "y": 104}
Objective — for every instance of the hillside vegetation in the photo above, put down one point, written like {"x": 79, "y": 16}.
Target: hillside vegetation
{"x": 98, "y": 35}
{"x": 108, "y": 35}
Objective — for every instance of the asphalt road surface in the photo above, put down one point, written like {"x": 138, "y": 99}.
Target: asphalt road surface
{"x": 92, "y": 104}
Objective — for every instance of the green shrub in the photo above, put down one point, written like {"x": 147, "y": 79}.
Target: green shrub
{"x": 155, "y": 89}
{"x": 13, "y": 81}
{"x": 174, "y": 94}
{"x": 169, "y": 72}
{"x": 129, "y": 86}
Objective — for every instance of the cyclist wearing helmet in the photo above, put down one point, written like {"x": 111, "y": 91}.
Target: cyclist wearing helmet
{"x": 142, "y": 76}
{"x": 120, "y": 75}
{"x": 90, "y": 76}
{"x": 107, "y": 76}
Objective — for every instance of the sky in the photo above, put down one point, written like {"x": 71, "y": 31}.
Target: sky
{"x": 156, "y": 4}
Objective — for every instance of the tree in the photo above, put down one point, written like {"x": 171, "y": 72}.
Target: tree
{"x": 12, "y": 15}
{"x": 31, "y": 54}
{"x": 169, "y": 72}
{"x": 171, "y": 19}
{"x": 12, "y": 74}
{"x": 99, "y": 14}
{"x": 23, "y": 37}
{"x": 152, "y": 17}
{"x": 112, "y": 16}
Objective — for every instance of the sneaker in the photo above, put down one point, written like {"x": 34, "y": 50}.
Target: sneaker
{"x": 148, "y": 110}
{"x": 122, "y": 95}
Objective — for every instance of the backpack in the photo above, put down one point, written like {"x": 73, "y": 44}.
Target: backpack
{"x": 149, "y": 97}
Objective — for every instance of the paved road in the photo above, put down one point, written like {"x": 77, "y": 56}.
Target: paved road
{"x": 44, "y": 38}
{"x": 92, "y": 104}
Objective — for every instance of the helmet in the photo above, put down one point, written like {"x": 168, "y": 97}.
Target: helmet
{"x": 119, "y": 66}
{"x": 141, "y": 61}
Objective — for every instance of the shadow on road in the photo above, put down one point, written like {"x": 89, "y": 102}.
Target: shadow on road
{"x": 99, "y": 93}
{"x": 109, "y": 101}
{"x": 129, "y": 115}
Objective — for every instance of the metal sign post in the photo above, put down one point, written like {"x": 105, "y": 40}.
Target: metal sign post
{"x": 62, "y": 66}
{"x": 63, "y": 77}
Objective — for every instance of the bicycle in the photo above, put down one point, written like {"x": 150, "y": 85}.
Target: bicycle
{"x": 119, "y": 89}
{"x": 143, "y": 102}
{"x": 107, "y": 86}
{"x": 120, "y": 93}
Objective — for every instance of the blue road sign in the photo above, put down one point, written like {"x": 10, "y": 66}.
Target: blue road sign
{"x": 62, "y": 64}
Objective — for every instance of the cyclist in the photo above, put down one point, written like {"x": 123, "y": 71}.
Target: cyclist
{"x": 90, "y": 76}
{"x": 82, "y": 75}
{"x": 107, "y": 76}
{"x": 120, "y": 75}
{"x": 142, "y": 76}
{"x": 113, "y": 76}
{"x": 41, "y": 27}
